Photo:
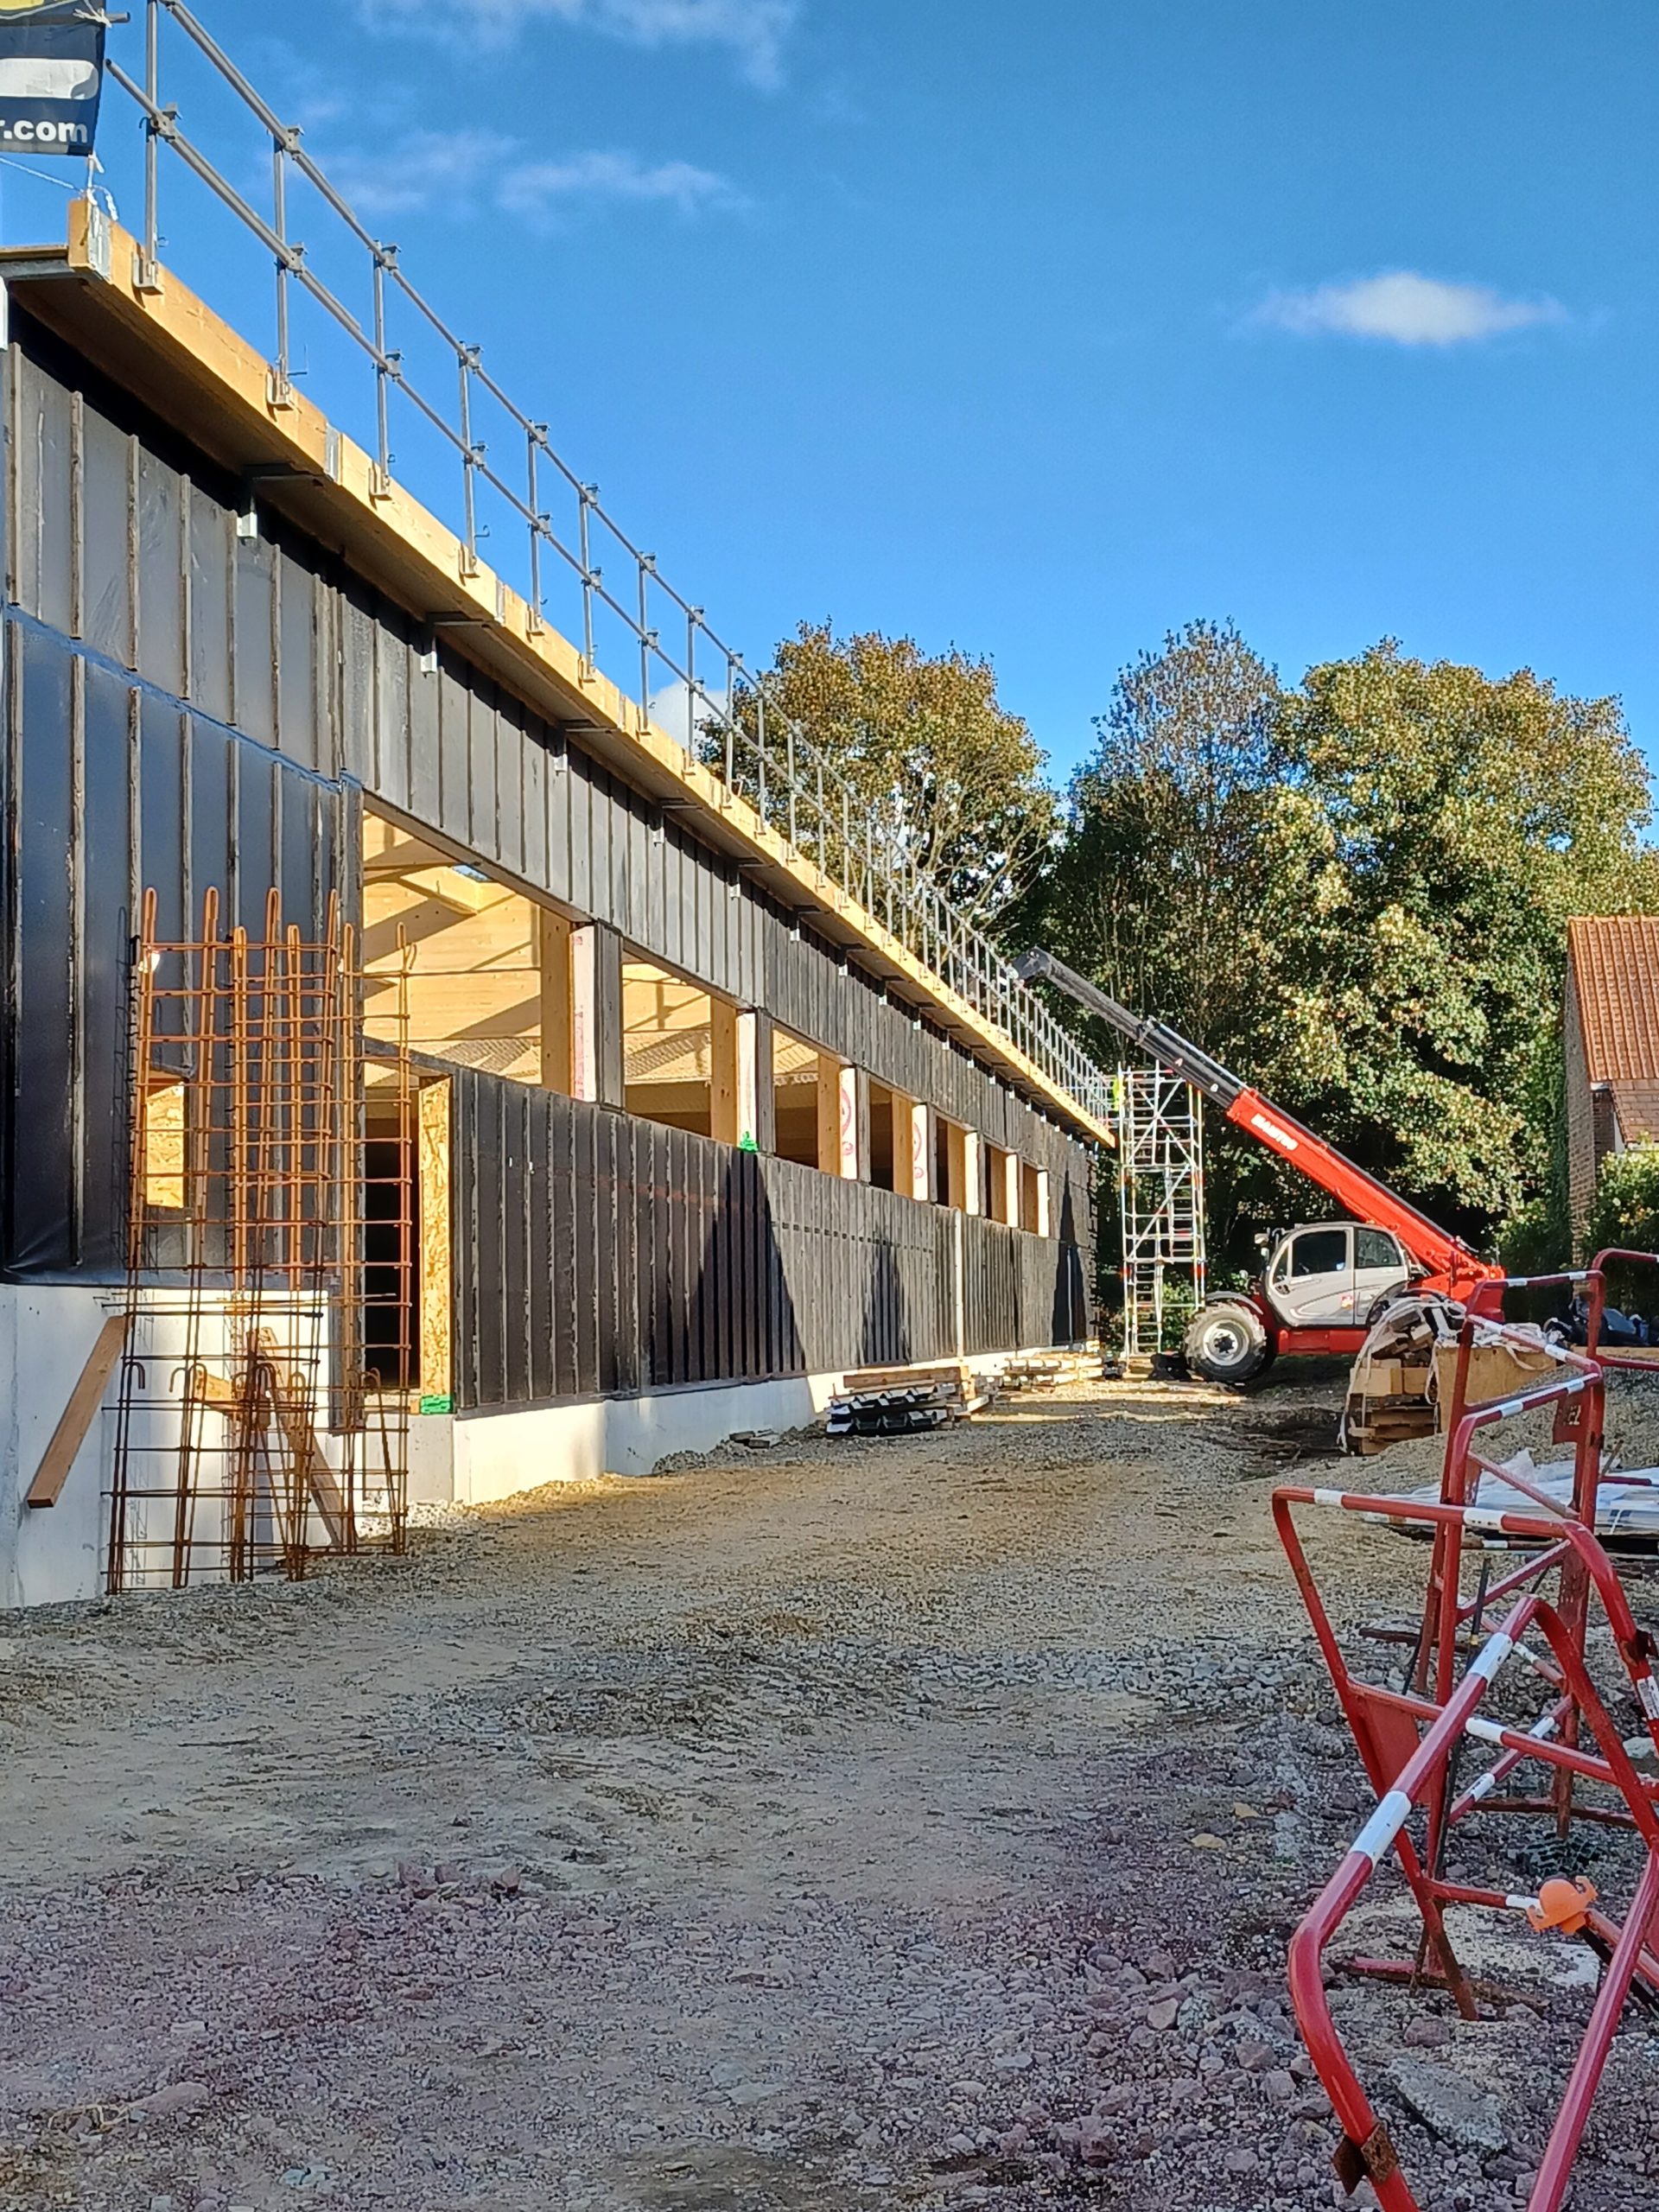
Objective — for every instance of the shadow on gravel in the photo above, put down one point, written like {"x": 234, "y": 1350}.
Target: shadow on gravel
{"x": 1280, "y": 1442}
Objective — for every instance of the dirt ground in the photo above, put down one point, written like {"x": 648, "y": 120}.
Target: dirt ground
{"x": 911, "y": 1822}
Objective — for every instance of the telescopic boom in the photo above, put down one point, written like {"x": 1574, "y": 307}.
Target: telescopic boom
{"x": 1359, "y": 1193}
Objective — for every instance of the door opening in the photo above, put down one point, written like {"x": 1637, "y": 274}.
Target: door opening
{"x": 408, "y": 1294}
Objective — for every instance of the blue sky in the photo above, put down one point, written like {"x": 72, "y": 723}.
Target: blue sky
{"x": 1041, "y": 330}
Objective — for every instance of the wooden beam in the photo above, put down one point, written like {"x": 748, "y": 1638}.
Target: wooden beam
{"x": 585, "y": 1011}
{"x": 973, "y": 1188}
{"x": 763, "y": 1080}
{"x": 320, "y": 1479}
{"x": 955, "y": 1192}
{"x": 77, "y": 1417}
{"x": 850, "y": 1159}
{"x": 553, "y": 960}
{"x": 726, "y": 1118}
{"x": 1005, "y": 1185}
{"x": 829, "y": 1092}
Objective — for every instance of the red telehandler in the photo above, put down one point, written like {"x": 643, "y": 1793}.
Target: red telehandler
{"x": 1325, "y": 1283}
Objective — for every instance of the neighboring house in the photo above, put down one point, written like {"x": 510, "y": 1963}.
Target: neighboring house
{"x": 1611, "y": 1045}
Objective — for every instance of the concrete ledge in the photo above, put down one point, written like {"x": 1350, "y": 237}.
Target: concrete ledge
{"x": 46, "y": 1333}
{"x": 57, "y": 1556}
{"x": 499, "y": 1454}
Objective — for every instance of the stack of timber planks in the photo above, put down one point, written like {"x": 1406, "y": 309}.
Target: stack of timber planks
{"x": 1388, "y": 1402}
{"x": 1391, "y": 1398}
{"x": 903, "y": 1400}
{"x": 1049, "y": 1370}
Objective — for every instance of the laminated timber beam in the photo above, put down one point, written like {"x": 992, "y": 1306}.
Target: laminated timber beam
{"x": 161, "y": 343}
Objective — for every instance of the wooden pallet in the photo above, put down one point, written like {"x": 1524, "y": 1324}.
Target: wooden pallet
{"x": 1048, "y": 1371}
{"x": 1371, "y": 1424}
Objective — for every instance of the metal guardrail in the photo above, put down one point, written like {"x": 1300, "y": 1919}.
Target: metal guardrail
{"x": 735, "y": 725}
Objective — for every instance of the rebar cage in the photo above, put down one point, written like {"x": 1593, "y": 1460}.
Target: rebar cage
{"x": 270, "y": 1303}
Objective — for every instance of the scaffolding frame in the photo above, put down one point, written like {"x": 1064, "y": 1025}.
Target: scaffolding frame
{"x": 1160, "y": 1197}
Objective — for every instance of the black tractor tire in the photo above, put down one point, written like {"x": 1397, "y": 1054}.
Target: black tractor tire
{"x": 1227, "y": 1343}
{"x": 1380, "y": 1305}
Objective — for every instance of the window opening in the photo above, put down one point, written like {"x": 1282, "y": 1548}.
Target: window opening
{"x": 667, "y": 1044}
{"x": 484, "y": 966}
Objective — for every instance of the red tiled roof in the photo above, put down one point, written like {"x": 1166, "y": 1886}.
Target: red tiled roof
{"x": 1636, "y": 1105}
{"x": 1613, "y": 968}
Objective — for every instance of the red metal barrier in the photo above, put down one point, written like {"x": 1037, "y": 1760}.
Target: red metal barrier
{"x": 1448, "y": 1616}
{"x": 1486, "y": 1299}
{"x": 1408, "y": 1743}
{"x": 1580, "y": 1424}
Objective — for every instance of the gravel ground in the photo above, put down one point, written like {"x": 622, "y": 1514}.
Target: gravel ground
{"x": 913, "y": 1823}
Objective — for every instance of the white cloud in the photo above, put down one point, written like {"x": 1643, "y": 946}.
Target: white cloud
{"x": 753, "y": 31}
{"x": 428, "y": 165}
{"x": 455, "y": 171}
{"x": 1405, "y": 309}
{"x": 539, "y": 191}
{"x": 684, "y": 714}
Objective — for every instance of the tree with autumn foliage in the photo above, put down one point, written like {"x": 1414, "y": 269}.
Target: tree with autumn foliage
{"x": 923, "y": 738}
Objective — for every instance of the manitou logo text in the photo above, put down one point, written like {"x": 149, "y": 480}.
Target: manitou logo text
{"x": 1274, "y": 1134}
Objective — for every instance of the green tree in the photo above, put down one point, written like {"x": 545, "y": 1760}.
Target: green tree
{"x": 925, "y": 740}
{"x": 1182, "y": 884}
{"x": 1466, "y": 817}
{"x": 1181, "y": 837}
{"x": 1624, "y": 1215}
{"x": 1355, "y": 894}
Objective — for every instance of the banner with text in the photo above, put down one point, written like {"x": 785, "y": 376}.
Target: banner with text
{"x": 51, "y": 76}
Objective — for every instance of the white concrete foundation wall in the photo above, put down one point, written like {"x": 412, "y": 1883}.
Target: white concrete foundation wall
{"x": 57, "y": 1553}
{"x": 498, "y": 1454}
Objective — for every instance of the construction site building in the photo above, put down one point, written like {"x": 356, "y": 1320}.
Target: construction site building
{"x": 684, "y": 1130}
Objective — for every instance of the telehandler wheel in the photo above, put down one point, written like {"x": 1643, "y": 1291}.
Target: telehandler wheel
{"x": 1226, "y": 1342}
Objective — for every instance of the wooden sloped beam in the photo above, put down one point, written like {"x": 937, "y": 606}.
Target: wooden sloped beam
{"x": 78, "y": 1415}
{"x": 320, "y": 1478}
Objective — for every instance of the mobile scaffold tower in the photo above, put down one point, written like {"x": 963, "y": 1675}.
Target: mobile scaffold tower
{"x": 1160, "y": 1196}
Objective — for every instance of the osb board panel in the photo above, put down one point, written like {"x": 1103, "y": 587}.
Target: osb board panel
{"x": 437, "y": 1263}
